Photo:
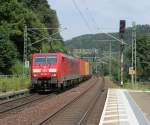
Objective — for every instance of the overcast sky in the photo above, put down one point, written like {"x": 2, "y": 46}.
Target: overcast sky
{"x": 101, "y": 15}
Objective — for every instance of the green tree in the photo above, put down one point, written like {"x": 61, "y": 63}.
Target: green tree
{"x": 14, "y": 15}
{"x": 143, "y": 57}
{"x": 8, "y": 52}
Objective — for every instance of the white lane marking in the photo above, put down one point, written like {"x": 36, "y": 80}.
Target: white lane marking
{"x": 114, "y": 104}
{"x": 108, "y": 111}
{"x": 116, "y": 120}
{"x": 117, "y": 115}
{"x": 114, "y": 107}
{"x": 112, "y": 97}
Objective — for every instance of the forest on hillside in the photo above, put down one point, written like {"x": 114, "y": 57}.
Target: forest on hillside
{"x": 14, "y": 16}
{"x": 90, "y": 41}
{"x": 94, "y": 40}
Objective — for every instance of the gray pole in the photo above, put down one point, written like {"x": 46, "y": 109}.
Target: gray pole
{"x": 134, "y": 24}
{"x": 121, "y": 62}
{"x": 133, "y": 52}
{"x": 95, "y": 60}
{"x": 110, "y": 59}
{"x": 132, "y": 76}
{"x": 96, "y": 67}
{"x": 25, "y": 49}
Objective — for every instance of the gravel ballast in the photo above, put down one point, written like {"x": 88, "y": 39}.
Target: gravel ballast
{"x": 35, "y": 114}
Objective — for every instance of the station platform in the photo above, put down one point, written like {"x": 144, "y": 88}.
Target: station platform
{"x": 122, "y": 107}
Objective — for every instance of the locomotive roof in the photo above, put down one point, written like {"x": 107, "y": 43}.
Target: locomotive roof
{"x": 55, "y": 53}
{"x": 42, "y": 54}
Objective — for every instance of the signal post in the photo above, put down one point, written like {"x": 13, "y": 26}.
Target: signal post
{"x": 121, "y": 32}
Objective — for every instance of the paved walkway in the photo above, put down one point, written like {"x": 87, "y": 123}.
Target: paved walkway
{"x": 143, "y": 101}
{"x": 121, "y": 109}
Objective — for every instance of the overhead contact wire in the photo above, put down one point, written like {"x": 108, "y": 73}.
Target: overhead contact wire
{"x": 82, "y": 15}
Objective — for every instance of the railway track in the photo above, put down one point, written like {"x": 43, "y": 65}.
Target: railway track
{"x": 17, "y": 105}
{"x": 76, "y": 112}
{"x": 94, "y": 115}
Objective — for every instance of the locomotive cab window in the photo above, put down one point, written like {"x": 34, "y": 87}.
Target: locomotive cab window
{"x": 45, "y": 59}
{"x": 40, "y": 59}
{"x": 51, "y": 59}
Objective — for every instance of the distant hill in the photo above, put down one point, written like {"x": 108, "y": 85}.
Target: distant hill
{"x": 93, "y": 40}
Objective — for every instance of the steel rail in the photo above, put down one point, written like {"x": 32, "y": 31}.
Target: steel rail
{"x": 90, "y": 107}
{"x": 67, "y": 105}
{"x": 23, "y": 104}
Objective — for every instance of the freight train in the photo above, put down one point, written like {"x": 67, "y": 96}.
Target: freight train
{"x": 57, "y": 70}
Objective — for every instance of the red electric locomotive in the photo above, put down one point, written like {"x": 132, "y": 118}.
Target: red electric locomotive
{"x": 53, "y": 70}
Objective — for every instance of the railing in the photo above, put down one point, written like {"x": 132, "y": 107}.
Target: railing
{"x": 14, "y": 83}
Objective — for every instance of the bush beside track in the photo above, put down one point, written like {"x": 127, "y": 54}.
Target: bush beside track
{"x": 13, "y": 83}
{"x": 137, "y": 86}
{"x": 144, "y": 86}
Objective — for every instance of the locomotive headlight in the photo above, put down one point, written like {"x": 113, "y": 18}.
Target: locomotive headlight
{"x": 36, "y": 70}
{"x": 35, "y": 75}
{"x": 52, "y": 70}
{"x": 53, "y": 74}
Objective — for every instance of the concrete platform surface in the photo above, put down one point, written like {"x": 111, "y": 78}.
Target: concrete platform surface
{"x": 121, "y": 109}
{"x": 142, "y": 99}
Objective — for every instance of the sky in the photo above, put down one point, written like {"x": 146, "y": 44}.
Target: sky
{"x": 96, "y": 16}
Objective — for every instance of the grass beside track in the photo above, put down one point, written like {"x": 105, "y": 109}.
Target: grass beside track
{"x": 144, "y": 86}
{"x": 138, "y": 86}
{"x": 13, "y": 83}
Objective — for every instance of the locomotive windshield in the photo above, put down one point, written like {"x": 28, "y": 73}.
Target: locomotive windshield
{"x": 45, "y": 59}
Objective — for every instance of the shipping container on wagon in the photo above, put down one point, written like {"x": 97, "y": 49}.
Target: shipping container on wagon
{"x": 87, "y": 68}
{"x": 82, "y": 68}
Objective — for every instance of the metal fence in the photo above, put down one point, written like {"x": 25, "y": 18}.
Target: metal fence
{"x": 14, "y": 75}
